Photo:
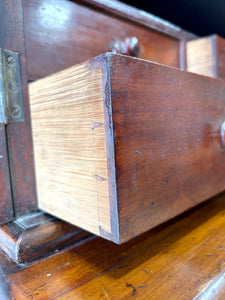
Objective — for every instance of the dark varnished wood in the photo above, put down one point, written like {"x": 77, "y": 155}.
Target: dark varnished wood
{"x": 183, "y": 259}
{"x": 141, "y": 17}
{"x": 168, "y": 153}
{"x": 69, "y": 33}
{"x": 6, "y": 206}
{"x": 37, "y": 235}
{"x": 18, "y": 134}
{"x": 220, "y": 56}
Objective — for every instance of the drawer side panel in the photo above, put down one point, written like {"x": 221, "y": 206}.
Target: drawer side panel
{"x": 68, "y": 126}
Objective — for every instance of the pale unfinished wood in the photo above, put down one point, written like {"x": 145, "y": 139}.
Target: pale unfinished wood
{"x": 201, "y": 57}
{"x": 70, "y": 147}
{"x": 206, "y": 56}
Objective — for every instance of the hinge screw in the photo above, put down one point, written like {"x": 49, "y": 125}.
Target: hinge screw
{"x": 11, "y": 60}
{"x": 15, "y": 112}
{"x": 13, "y": 86}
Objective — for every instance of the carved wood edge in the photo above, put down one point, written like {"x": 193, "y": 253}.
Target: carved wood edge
{"x": 38, "y": 235}
{"x": 141, "y": 17}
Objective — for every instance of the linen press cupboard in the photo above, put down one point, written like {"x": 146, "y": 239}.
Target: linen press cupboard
{"x": 187, "y": 168}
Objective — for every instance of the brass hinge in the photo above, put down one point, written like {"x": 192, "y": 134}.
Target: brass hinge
{"x": 11, "y": 98}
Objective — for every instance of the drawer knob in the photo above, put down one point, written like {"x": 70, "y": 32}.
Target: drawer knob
{"x": 130, "y": 47}
{"x": 223, "y": 135}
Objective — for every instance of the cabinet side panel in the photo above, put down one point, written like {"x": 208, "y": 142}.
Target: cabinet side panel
{"x": 18, "y": 135}
{"x": 70, "y": 147}
{"x": 6, "y": 206}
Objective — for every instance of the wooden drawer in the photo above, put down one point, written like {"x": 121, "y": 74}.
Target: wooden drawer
{"x": 122, "y": 144}
{"x": 61, "y": 33}
{"x": 206, "y": 56}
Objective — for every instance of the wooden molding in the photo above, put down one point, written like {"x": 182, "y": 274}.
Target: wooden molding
{"x": 37, "y": 235}
{"x": 141, "y": 17}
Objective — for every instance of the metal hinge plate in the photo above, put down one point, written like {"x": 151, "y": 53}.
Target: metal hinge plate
{"x": 11, "y": 98}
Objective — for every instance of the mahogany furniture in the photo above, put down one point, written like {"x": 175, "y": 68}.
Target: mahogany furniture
{"x": 51, "y": 36}
{"x": 74, "y": 32}
{"x": 120, "y": 147}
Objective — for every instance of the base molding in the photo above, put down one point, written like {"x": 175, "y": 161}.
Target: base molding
{"x": 37, "y": 235}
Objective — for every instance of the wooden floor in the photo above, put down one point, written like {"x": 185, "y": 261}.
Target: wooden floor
{"x": 182, "y": 259}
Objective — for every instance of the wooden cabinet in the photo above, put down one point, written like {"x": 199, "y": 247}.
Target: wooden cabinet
{"x": 179, "y": 112}
{"x": 53, "y": 35}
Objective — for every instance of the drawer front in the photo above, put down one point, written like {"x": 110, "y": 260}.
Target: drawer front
{"x": 122, "y": 145}
{"x": 61, "y": 33}
{"x": 168, "y": 151}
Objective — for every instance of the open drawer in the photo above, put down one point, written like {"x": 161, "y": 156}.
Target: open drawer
{"x": 123, "y": 144}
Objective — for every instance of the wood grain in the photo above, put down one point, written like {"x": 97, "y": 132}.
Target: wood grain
{"x": 71, "y": 33}
{"x": 164, "y": 156}
{"x": 206, "y": 56}
{"x": 201, "y": 56}
{"x": 6, "y": 205}
{"x": 69, "y": 126}
{"x": 19, "y": 133}
{"x": 168, "y": 154}
{"x": 37, "y": 235}
{"x": 141, "y": 17}
{"x": 183, "y": 259}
